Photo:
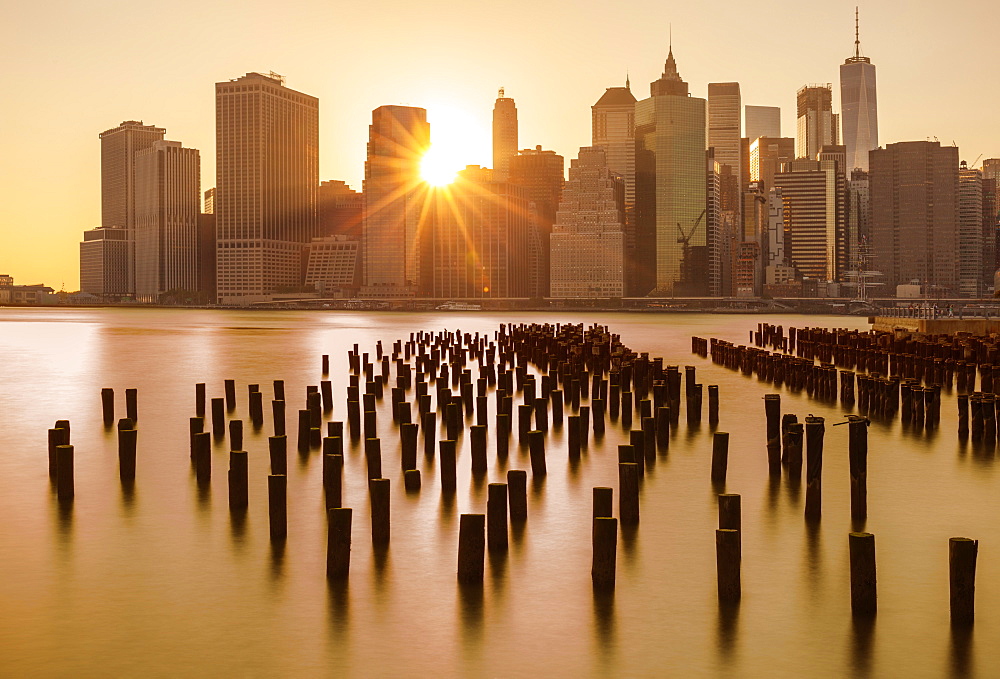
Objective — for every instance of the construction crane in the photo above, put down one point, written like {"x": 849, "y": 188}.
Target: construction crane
{"x": 685, "y": 240}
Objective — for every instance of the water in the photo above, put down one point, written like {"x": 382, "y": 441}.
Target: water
{"x": 163, "y": 583}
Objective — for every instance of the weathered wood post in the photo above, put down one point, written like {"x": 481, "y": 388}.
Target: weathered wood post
{"x": 373, "y": 457}
{"x": 277, "y": 508}
{"x": 126, "y": 454}
{"x": 338, "y": 543}
{"x": 962, "y": 553}
{"x": 628, "y": 493}
{"x": 858, "y": 453}
{"x": 727, "y": 562}
{"x": 815, "y": 430}
{"x": 496, "y": 516}
{"x": 408, "y": 445}
{"x": 65, "y": 487}
{"x": 108, "y": 406}
{"x": 447, "y": 466}
{"x": 471, "y": 547}
{"x": 729, "y": 511}
{"x": 378, "y": 490}
{"x": 864, "y": 597}
{"x": 713, "y": 404}
{"x": 477, "y": 443}
{"x": 277, "y": 447}
{"x": 772, "y": 412}
{"x": 720, "y": 456}
{"x": 238, "y": 480}
{"x": 536, "y": 447}
{"x": 605, "y": 552}
{"x": 132, "y": 404}
{"x": 235, "y": 434}
{"x": 603, "y": 501}
{"x": 517, "y": 494}
{"x": 218, "y": 418}
{"x": 230, "y": 395}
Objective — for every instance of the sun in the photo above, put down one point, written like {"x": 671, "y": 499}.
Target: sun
{"x": 457, "y": 139}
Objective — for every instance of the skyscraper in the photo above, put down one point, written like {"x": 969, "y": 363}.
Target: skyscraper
{"x": 398, "y": 138}
{"x": 914, "y": 203}
{"x": 761, "y": 121}
{"x": 341, "y": 209}
{"x": 504, "y": 134}
{"x": 817, "y": 124}
{"x": 859, "y": 104}
{"x": 118, "y": 148}
{"x": 104, "y": 263}
{"x": 541, "y": 174}
{"x": 970, "y": 231}
{"x": 613, "y": 122}
{"x": 766, "y": 157}
{"x": 724, "y": 123}
{"x": 167, "y": 208}
{"x": 991, "y": 220}
{"x": 813, "y": 192}
{"x": 267, "y": 174}
{"x": 588, "y": 240}
{"x": 671, "y": 234}
{"x": 480, "y": 238}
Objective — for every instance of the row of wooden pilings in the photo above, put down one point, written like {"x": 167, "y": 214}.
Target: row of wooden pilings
{"x": 575, "y": 362}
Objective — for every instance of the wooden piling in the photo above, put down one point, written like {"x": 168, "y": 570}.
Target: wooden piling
{"x": 373, "y": 457}
{"x": 230, "y": 388}
{"x": 277, "y": 508}
{"x": 727, "y": 561}
{"x": 517, "y": 494}
{"x": 126, "y": 454}
{"x": 471, "y": 547}
{"x": 132, "y": 404}
{"x": 729, "y": 511}
{"x": 447, "y": 465}
{"x": 603, "y": 501}
{"x": 815, "y": 429}
{"x": 477, "y": 435}
{"x": 864, "y": 601}
{"x": 218, "y": 418}
{"x": 962, "y": 553}
{"x": 411, "y": 480}
{"x": 338, "y": 543}
{"x": 858, "y": 454}
{"x": 65, "y": 485}
{"x": 628, "y": 493}
{"x": 720, "y": 456}
{"x": 772, "y": 413}
{"x": 496, "y": 516}
{"x": 605, "y": 552}
{"x": 378, "y": 490}
{"x": 333, "y": 480}
{"x": 235, "y": 434}
{"x": 277, "y": 447}
{"x": 536, "y": 448}
{"x": 108, "y": 405}
{"x": 408, "y": 445}
{"x": 239, "y": 479}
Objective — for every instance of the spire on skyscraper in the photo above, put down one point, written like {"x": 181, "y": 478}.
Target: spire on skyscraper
{"x": 857, "y": 44}
{"x": 670, "y": 82}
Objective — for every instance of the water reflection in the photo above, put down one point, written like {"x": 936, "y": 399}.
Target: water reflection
{"x": 862, "y": 642}
{"x": 470, "y": 599}
{"x": 961, "y": 650}
{"x": 726, "y": 628}
{"x": 277, "y": 545}
{"x": 605, "y": 628}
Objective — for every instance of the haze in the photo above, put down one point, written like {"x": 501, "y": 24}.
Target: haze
{"x": 73, "y": 69}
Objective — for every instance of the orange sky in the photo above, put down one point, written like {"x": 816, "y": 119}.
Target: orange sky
{"x": 74, "y": 68}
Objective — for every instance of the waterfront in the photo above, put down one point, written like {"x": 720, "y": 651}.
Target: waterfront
{"x": 162, "y": 583}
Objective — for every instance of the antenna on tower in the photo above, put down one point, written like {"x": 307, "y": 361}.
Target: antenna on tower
{"x": 857, "y": 39}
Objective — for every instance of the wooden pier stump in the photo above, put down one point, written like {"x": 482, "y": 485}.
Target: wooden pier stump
{"x": 333, "y": 480}
{"x": 230, "y": 388}
{"x": 471, "y": 547}
{"x": 126, "y": 454}
{"x": 378, "y": 490}
{"x": 772, "y": 413}
{"x": 628, "y": 493}
{"x": 605, "y": 552}
{"x": 729, "y": 511}
{"x": 132, "y": 404}
{"x": 373, "y": 457}
{"x": 277, "y": 447}
{"x": 239, "y": 479}
{"x": 108, "y": 406}
{"x": 864, "y": 600}
{"x": 447, "y": 466}
{"x": 815, "y": 429}
{"x": 962, "y": 553}
{"x": 477, "y": 436}
{"x": 411, "y": 480}
{"x": 277, "y": 508}
{"x": 536, "y": 448}
{"x": 65, "y": 486}
{"x": 218, "y": 417}
{"x": 727, "y": 561}
{"x": 496, "y": 516}
{"x": 517, "y": 494}
{"x": 603, "y": 501}
{"x": 338, "y": 543}
{"x": 720, "y": 456}
{"x": 858, "y": 454}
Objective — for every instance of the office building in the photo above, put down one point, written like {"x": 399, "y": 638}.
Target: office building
{"x": 970, "y": 231}
{"x": 209, "y": 204}
{"x": 859, "y": 105}
{"x": 104, "y": 263}
{"x": 118, "y": 148}
{"x": 504, "y": 134}
{"x": 817, "y": 124}
{"x": 767, "y": 154}
{"x": 671, "y": 233}
{"x": 587, "y": 242}
{"x": 724, "y": 108}
{"x": 341, "y": 210}
{"x": 914, "y": 208}
{"x": 761, "y": 121}
{"x": 540, "y": 172}
{"x": 207, "y": 264}
{"x": 167, "y": 207}
{"x": 333, "y": 267}
{"x": 613, "y": 127}
{"x": 480, "y": 238}
{"x": 398, "y": 138}
{"x": 858, "y": 222}
{"x": 813, "y": 192}
{"x": 991, "y": 220}
{"x": 267, "y": 174}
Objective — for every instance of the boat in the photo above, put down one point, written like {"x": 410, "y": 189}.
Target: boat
{"x": 459, "y": 306}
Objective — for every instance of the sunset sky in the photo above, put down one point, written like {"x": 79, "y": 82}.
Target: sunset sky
{"x": 74, "y": 69}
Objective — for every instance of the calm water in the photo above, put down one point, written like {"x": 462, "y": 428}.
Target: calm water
{"x": 162, "y": 583}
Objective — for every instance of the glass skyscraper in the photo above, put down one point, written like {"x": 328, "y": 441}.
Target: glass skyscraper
{"x": 860, "y": 109}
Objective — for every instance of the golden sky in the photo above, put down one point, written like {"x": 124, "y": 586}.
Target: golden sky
{"x": 75, "y": 68}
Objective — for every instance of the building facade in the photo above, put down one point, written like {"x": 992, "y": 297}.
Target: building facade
{"x": 671, "y": 233}
{"x": 541, "y": 173}
{"x": 588, "y": 241}
{"x": 613, "y": 123}
{"x": 104, "y": 263}
{"x": 118, "y": 148}
{"x": 767, "y": 154}
{"x": 333, "y": 265}
{"x": 970, "y": 231}
{"x": 914, "y": 208}
{"x": 761, "y": 121}
{"x": 167, "y": 209}
{"x": 395, "y": 196}
{"x": 267, "y": 174}
{"x": 859, "y": 106}
{"x": 341, "y": 209}
{"x": 480, "y": 238}
{"x": 504, "y": 134}
{"x": 817, "y": 124}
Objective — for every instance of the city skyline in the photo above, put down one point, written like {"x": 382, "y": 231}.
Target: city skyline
{"x": 554, "y": 92}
